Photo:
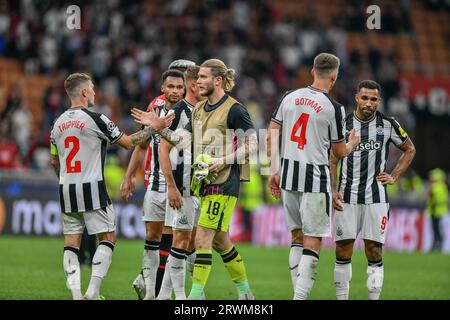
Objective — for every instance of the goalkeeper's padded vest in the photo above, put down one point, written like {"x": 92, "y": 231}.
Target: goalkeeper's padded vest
{"x": 210, "y": 136}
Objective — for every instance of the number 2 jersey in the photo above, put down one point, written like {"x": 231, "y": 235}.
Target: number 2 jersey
{"x": 311, "y": 120}
{"x": 81, "y": 137}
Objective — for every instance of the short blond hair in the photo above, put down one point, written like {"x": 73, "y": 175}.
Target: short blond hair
{"x": 191, "y": 73}
{"x": 72, "y": 83}
{"x": 325, "y": 64}
{"x": 219, "y": 69}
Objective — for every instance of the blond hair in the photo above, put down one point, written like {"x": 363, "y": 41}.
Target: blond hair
{"x": 72, "y": 83}
{"x": 191, "y": 73}
{"x": 219, "y": 69}
{"x": 325, "y": 64}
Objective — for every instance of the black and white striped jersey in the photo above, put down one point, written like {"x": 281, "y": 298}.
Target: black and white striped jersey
{"x": 81, "y": 137}
{"x": 358, "y": 184}
{"x": 157, "y": 181}
{"x": 182, "y": 160}
{"x": 311, "y": 120}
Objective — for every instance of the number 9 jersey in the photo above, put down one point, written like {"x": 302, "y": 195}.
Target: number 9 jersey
{"x": 79, "y": 138}
{"x": 311, "y": 120}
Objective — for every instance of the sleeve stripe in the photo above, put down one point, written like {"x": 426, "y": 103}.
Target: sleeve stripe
{"x": 339, "y": 114}
{"x": 279, "y": 103}
{"x": 276, "y": 121}
{"x": 116, "y": 139}
{"x": 102, "y": 125}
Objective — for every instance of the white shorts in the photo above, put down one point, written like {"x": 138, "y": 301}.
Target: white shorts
{"x": 307, "y": 211}
{"x": 369, "y": 219}
{"x": 96, "y": 221}
{"x": 154, "y": 206}
{"x": 184, "y": 218}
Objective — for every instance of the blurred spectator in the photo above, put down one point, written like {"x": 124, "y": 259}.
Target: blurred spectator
{"x": 251, "y": 198}
{"x": 9, "y": 153}
{"x": 113, "y": 176}
{"x": 21, "y": 122}
{"x": 437, "y": 206}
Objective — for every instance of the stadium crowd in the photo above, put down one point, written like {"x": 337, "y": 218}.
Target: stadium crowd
{"x": 126, "y": 45}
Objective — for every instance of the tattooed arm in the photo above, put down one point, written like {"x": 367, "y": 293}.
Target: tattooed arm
{"x": 153, "y": 124}
{"x": 181, "y": 139}
{"x": 240, "y": 156}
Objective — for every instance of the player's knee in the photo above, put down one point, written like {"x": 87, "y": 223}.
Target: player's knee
{"x": 181, "y": 240}
{"x": 344, "y": 249}
{"x": 107, "y": 236}
{"x": 296, "y": 236}
{"x": 373, "y": 251}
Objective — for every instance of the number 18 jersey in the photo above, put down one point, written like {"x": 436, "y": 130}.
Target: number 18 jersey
{"x": 311, "y": 120}
{"x": 81, "y": 137}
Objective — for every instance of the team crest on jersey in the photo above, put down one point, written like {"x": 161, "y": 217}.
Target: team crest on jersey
{"x": 380, "y": 131}
{"x": 111, "y": 126}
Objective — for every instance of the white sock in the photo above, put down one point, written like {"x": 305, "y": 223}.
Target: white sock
{"x": 375, "y": 274}
{"x": 165, "y": 292}
{"x": 294, "y": 259}
{"x": 307, "y": 274}
{"x": 150, "y": 265}
{"x": 342, "y": 278}
{"x": 177, "y": 270}
{"x": 100, "y": 265}
{"x": 190, "y": 262}
{"x": 72, "y": 270}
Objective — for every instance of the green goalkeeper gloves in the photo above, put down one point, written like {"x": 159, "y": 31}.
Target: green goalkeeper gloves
{"x": 201, "y": 173}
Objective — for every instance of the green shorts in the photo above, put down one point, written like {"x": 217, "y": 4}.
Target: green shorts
{"x": 216, "y": 211}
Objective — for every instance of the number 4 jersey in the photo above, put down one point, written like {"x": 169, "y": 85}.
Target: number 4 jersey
{"x": 311, "y": 121}
{"x": 79, "y": 138}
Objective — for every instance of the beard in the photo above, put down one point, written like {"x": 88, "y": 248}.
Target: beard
{"x": 207, "y": 91}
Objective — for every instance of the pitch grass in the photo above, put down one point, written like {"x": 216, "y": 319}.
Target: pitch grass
{"x": 31, "y": 268}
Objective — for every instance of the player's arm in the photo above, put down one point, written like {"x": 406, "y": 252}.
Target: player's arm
{"x": 127, "y": 185}
{"x": 272, "y": 148}
{"x": 54, "y": 160}
{"x": 130, "y": 141}
{"x": 154, "y": 124}
{"x": 240, "y": 121}
{"x": 181, "y": 139}
{"x": 342, "y": 149}
{"x": 409, "y": 151}
{"x": 173, "y": 194}
{"x": 272, "y": 141}
{"x": 337, "y": 197}
{"x": 273, "y": 134}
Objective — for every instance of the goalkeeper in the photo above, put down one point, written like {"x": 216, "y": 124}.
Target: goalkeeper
{"x": 222, "y": 129}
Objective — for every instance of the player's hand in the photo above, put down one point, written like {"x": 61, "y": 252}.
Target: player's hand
{"x": 152, "y": 119}
{"x": 218, "y": 165}
{"x": 274, "y": 185}
{"x": 337, "y": 201}
{"x": 174, "y": 197}
{"x": 353, "y": 139}
{"x": 127, "y": 188}
{"x": 386, "y": 178}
